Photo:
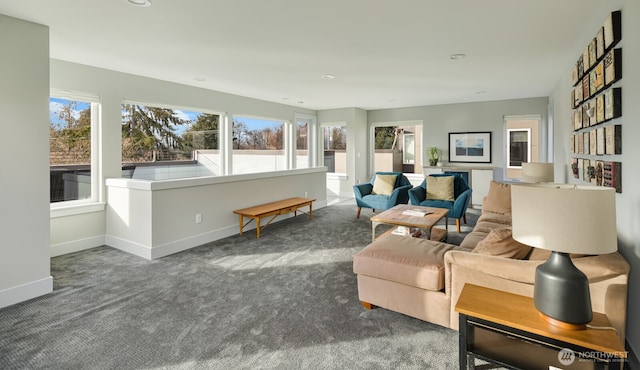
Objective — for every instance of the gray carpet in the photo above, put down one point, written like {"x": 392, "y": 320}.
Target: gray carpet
{"x": 285, "y": 301}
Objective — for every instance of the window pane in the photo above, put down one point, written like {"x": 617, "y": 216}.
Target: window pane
{"x": 69, "y": 149}
{"x": 258, "y": 145}
{"x": 163, "y": 143}
{"x": 335, "y": 148}
{"x": 395, "y": 148}
{"x": 302, "y": 143}
{"x": 518, "y": 147}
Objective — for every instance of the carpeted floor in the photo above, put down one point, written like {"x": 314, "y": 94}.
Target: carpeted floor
{"x": 285, "y": 301}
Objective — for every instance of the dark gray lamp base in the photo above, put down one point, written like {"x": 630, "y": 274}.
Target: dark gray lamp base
{"x": 561, "y": 292}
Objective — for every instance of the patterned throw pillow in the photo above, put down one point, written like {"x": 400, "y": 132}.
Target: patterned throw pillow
{"x": 383, "y": 184}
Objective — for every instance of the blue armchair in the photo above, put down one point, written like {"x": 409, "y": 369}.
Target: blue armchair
{"x": 457, "y": 208}
{"x": 399, "y": 195}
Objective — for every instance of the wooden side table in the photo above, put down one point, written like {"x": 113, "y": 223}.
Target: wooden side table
{"x": 507, "y": 330}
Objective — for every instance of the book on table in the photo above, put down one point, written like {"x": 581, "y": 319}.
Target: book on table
{"x": 407, "y": 231}
{"x": 416, "y": 212}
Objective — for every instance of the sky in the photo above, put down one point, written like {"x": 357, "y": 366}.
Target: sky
{"x": 56, "y": 104}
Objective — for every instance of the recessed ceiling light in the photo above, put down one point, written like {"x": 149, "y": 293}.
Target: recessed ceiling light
{"x": 481, "y": 92}
{"x": 200, "y": 79}
{"x": 328, "y": 77}
{"x": 140, "y": 3}
{"x": 300, "y": 102}
{"x": 457, "y": 56}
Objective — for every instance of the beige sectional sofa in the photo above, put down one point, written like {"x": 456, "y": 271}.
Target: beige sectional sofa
{"x": 423, "y": 278}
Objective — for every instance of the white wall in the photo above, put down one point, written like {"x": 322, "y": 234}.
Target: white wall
{"x": 627, "y": 202}
{"x": 24, "y": 161}
{"x": 81, "y": 231}
{"x": 440, "y": 120}
{"x": 153, "y": 219}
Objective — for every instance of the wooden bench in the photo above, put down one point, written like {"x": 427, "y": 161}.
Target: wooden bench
{"x": 273, "y": 209}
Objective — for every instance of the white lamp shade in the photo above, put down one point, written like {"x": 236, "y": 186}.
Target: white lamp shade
{"x": 537, "y": 172}
{"x": 565, "y": 218}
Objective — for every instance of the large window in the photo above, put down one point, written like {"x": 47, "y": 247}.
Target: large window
{"x": 334, "y": 138}
{"x": 72, "y": 119}
{"x": 258, "y": 145}
{"x": 163, "y": 143}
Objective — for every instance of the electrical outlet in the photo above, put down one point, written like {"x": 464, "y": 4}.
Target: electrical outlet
{"x": 306, "y": 194}
{"x": 198, "y": 218}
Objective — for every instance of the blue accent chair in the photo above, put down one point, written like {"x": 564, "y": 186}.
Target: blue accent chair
{"x": 400, "y": 194}
{"x": 457, "y": 209}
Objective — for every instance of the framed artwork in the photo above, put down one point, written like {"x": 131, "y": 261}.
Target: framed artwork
{"x": 471, "y": 147}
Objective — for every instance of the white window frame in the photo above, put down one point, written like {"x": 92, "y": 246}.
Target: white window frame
{"x": 311, "y": 138}
{"x": 320, "y": 148}
{"x": 509, "y": 131}
{"x": 95, "y": 201}
{"x": 288, "y": 137}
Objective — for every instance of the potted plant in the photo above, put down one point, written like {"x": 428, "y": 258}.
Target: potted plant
{"x": 433, "y": 154}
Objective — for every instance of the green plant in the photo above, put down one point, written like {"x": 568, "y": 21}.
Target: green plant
{"x": 433, "y": 154}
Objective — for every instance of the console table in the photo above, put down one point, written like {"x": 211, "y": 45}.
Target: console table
{"x": 273, "y": 209}
{"x": 506, "y": 330}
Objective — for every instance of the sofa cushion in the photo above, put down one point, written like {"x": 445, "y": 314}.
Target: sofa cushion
{"x": 500, "y": 243}
{"x": 384, "y": 184}
{"x": 498, "y": 200}
{"x": 412, "y": 261}
{"x": 440, "y": 188}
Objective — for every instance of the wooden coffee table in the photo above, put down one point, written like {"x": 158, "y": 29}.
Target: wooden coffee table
{"x": 394, "y": 216}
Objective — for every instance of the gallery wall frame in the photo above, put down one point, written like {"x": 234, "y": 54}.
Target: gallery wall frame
{"x": 470, "y": 147}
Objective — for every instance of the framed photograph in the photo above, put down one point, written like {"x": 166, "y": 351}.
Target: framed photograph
{"x": 472, "y": 147}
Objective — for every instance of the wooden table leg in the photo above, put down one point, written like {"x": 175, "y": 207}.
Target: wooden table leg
{"x": 241, "y": 224}
{"x": 257, "y": 227}
{"x": 310, "y": 211}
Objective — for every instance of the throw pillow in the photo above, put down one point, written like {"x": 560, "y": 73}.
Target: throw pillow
{"x": 384, "y": 184}
{"x": 440, "y": 188}
{"x": 498, "y": 200}
{"x": 500, "y": 243}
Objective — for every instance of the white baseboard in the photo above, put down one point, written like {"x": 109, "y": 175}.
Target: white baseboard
{"x": 193, "y": 241}
{"x": 128, "y": 246}
{"x": 76, "y": 245}
{"x": 159, "y": 251}
{"x": 20, "y": 293}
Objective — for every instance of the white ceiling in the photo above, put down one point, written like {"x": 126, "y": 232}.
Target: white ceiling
{"x": 383, "y": 53}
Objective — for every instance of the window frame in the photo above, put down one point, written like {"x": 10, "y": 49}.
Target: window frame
{"x": 529, "y": 145}
{"x": 288, "y": 137}
{"x": 95, "y": 201}
{"x": 321, "y": 148}
{"x": 312, "y": 129}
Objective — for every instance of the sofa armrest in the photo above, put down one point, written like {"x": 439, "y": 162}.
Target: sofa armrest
{"x": 361, "y": 190}
{"x": 417, "y": 195}
{"x": 460, "y": 205}
{"x": 608, "y": 279}
{"x": 400, "y": 195}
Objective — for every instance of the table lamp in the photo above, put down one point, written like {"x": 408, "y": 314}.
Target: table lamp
{"x": 564, "y": 219}
{"x": 537, "y": 172}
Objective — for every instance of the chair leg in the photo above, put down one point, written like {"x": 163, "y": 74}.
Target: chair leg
{"x": 464, "y": 217}
{"x": 458, "y": 224}
{"x": 358, "y": 214}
